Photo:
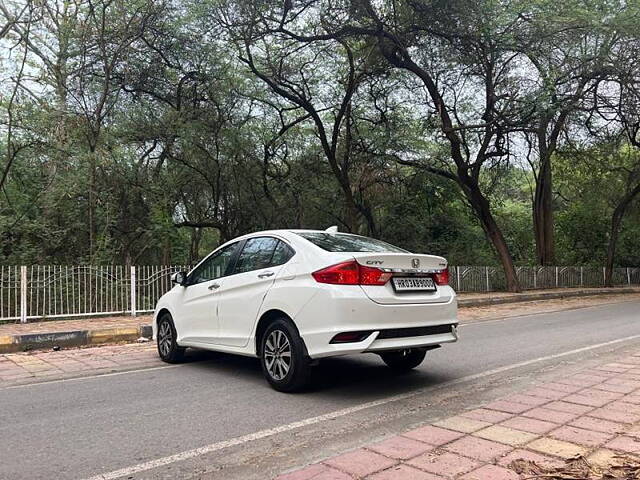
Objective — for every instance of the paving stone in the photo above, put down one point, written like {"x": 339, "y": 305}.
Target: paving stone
{"x": 446, "y": 464}
{"x": 403, "y": 472}
{"x": 462, "y": 424}
{"x": 522, "y": 454}
{"x": 433, "y": 435}
{"x": 580, "y": 436}
{"x": 478, "y": 448}
{"x": 614, "y": 367}
{"x": 486, "y": 415}
{"x": 554, "y": 416}
{"x": 614, "y": 415}
{"x": 633, "y": 431}
{"x": 531, "y": 425}
{"x": 558, "y": 448}
{"x": 505, "y": 435}
{"x": 597, "y": 424}
{"x": 624, "y": 407}
{"x": 509, "y": 407}
{"x": 615, "y": 388}
{"x": 577, "y": 381}
{"x": 567, "y": 407}
{"x": 625, "y": 444}
{"x": 360, "y": 462}
{"x": 315, "y": 472}
{"x": 400, "y": 447}
{"x": 634, "y": 399}
{"x": 548, "y": 392}
{"x": 562, "y": 387}
{"x": 592, "y": 397}
{"x": 491, "y": 472}
{"x": 524, "y": 399}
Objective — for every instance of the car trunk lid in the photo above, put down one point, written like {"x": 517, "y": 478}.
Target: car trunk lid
{"x": 404, "y": 266}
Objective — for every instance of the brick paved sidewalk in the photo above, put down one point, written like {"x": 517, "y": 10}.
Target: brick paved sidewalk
{"x": 20, "y": 367}
{"x": 594, "y": 413}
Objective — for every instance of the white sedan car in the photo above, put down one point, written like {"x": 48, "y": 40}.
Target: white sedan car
{"x": 291, "y": 297}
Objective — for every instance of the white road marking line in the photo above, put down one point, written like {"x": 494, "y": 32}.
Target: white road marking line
{"x": 196, "y": 452}
{"x": 89, "y": 377}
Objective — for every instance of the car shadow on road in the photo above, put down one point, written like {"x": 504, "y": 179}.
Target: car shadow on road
{"x": 356, "y": 376}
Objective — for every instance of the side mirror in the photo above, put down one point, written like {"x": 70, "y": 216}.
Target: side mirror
{"x": 180, "y": 278}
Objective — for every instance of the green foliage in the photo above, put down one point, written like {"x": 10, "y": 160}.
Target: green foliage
{"x": 142, "y": 137}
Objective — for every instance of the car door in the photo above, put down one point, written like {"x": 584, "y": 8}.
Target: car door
{"x": 243, "y": 292}
{"x": 199, "y": 306}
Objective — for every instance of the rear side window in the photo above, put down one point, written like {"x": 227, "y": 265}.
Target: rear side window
{"x": 281, "y": 254}
{"x": 256, "y": 254}
{"x": 343, "y": 242}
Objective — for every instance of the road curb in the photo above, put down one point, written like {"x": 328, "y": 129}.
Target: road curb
{"x": 73, "y": 338}
{"x": 530, "y": 297}
{"x": 100, "y": 336}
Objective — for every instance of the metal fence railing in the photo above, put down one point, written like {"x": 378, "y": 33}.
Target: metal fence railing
{"x": 489, "y": 279}
{"x": 57, "y": 291}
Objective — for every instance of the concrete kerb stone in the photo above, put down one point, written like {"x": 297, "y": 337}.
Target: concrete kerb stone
{"x": 498, "y": 299}
{"x": 74, "y": 338}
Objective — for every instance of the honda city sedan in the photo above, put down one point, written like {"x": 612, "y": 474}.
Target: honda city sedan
{"x": 292, "y": 297}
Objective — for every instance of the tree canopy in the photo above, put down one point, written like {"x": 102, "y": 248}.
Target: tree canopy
{"x": 492, "y": 132}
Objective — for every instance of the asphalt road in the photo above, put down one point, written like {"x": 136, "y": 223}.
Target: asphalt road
{"x": 139, "y": 422}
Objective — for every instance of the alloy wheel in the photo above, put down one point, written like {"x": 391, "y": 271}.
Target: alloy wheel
{"x": 165, "y": 338}
{"x": 277, "y": 354}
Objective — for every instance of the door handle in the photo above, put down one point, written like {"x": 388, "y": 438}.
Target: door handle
{"x": 265, "y": 274}
{"x": 214, "y": 286}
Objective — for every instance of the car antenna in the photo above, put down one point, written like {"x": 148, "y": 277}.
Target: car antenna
{"x": 332, "y": 229}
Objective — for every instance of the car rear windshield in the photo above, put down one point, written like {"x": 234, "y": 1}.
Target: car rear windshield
{"x": 342, "y": 242}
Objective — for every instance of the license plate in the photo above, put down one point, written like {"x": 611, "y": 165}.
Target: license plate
{"x": 413, "y": 284}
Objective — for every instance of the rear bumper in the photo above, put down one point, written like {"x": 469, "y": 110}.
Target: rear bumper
{"x": 325, "y": 316}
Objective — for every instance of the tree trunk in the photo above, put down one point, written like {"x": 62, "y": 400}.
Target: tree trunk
{"x": 543, "y": 212}
{"x": 614, "y": 233}
{"x": 92, "y": 203}
{"x": 480, "y": 205}
{"x": 194, "y": 250}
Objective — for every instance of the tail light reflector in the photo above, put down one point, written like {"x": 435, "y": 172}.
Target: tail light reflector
{"x": 441, "y": 277}
{"x": 350, "y": 337}
{"x": 351, "y": 273}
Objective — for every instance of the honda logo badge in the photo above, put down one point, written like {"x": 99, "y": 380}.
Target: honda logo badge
{"x": 415, "y": 263}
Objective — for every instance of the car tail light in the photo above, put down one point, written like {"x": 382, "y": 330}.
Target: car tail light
{"x": 441, "y": 277}
{"x": 351, "y": 273}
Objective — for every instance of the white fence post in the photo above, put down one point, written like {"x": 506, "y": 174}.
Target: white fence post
{"x": 629, "y": 276}
{"x": 487, "y": 274}
{"x": 557, "y": 282}
{"x": 535, "y": 277}
{"x": 23, "y": 294}
{"x": 582, "y": 276}
{"x": 604, "y": 276}
{"x": 458, "y": 277}
{"x": 133, "y": 291}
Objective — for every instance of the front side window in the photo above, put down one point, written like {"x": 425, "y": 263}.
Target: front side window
{"x": 344, "y": 242}
{"x": 213, "y": 267}
{"x": 256, "y": 254}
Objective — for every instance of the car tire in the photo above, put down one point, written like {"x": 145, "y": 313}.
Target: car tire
{"x": 279, "y": 342}
{"x": 168, "y": 348}
{"x": 404, "y": 360}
